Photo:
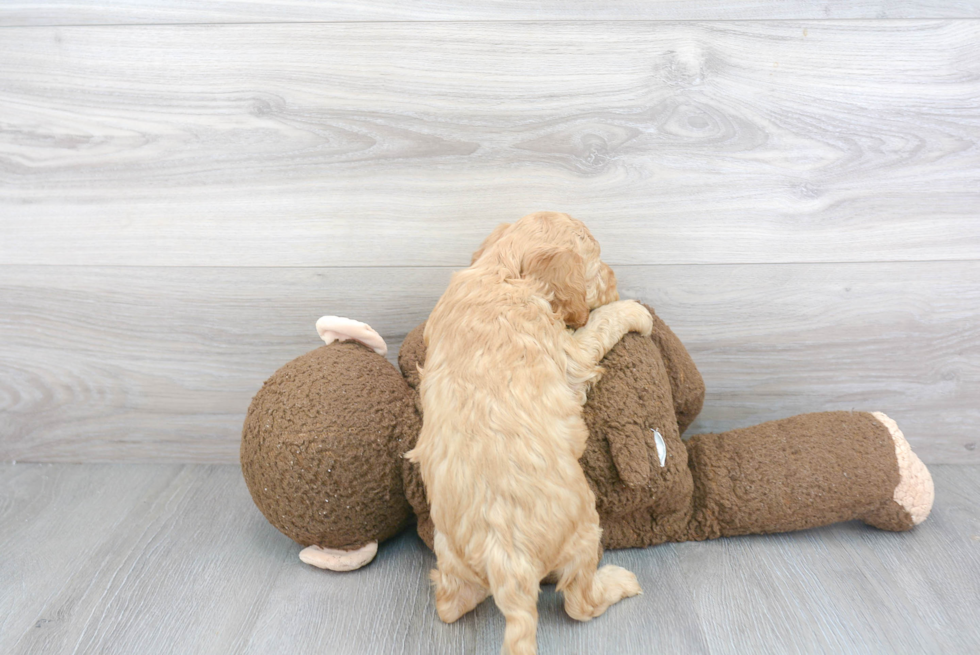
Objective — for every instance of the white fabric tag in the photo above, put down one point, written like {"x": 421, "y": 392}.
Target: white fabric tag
{"x": 661, "y": 447}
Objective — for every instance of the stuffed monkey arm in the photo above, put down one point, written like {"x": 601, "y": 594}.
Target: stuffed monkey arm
{"x": 411, "y": 356}
{"x": 686, "y": 384}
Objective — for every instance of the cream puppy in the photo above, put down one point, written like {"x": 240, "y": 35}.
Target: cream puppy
{"x": 502, "y": 393}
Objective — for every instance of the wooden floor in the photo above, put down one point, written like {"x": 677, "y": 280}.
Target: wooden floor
{"x": 125, "y": 558}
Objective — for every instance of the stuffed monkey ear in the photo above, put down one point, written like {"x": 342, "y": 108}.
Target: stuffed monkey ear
{"x": 629, "y": 450}
{"x": 489, "y": 241}
{"x": 563, "y": 272}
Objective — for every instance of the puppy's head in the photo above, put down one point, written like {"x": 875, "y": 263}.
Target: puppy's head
{"x": 558, "y": 252}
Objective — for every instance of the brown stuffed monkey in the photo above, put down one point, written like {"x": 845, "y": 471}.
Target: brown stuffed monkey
{"x": 651, "y": 487}
{"x": 323, "y": 439}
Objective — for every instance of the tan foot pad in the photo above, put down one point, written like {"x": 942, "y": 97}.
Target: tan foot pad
{"x": 339, "y": 560}
{"x": 915, "y": 491}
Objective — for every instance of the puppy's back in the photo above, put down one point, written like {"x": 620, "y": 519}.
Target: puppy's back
{"x": 499, "y": 422}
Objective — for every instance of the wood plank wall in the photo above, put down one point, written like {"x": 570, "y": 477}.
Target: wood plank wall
{"x": 186, "y": 187}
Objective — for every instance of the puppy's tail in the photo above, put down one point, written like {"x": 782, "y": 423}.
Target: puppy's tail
{"x": 515, "y": 585}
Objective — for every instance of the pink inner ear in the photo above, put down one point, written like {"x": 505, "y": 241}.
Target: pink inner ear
{"x": 338, "y": 328}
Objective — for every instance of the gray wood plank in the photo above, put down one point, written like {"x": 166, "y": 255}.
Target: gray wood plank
{"x": 775, "y": 341}
{"x": 403, "y": 144}
{"x": 159, "y": 364}
{"x": 81, "y": 12}
{"x": 847, "y": 588}
{"x": 166, "y": 559}
{"x": 170, "y": 575}
{"x": 54, "y": 525}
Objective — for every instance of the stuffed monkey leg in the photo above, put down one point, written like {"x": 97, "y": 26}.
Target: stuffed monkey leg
{"x": 806, "y": 471}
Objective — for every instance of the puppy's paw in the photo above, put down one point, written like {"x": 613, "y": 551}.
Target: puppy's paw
{"x": 638, "y": 316}
{"x": 618, "y": 583}
{"x": 610, "y": 585}
{"x": 455, "y": 597}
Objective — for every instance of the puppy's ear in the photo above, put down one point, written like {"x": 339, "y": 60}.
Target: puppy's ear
{"x": 489, "y": 241}
{"x": 562, "y": 271}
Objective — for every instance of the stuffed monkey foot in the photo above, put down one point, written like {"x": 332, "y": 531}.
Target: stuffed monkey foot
{"x": 914, "y": 495}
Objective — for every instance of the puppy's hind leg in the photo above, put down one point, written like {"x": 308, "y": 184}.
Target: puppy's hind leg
{"x": 588, "y": 591}
{"x": 455, "y": 595}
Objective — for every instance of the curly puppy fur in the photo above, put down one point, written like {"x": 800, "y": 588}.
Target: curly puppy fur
{"x": 502, "y": 391}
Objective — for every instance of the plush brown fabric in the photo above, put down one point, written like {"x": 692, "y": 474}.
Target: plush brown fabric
{"x": 621, "y": 462}
{"x": 411, "y": 355}
{"x": 889, "y": 515}
{"x": 334, "y": 424}
{"x": 791, "y": 474}
{"x": 633, "y": 398}
{"x": 686, "y": 384}
{"x": 794, "y": 473}
{"x": 321, "y": 447}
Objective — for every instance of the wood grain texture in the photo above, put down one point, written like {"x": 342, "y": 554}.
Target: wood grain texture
{"x": 403, "y": 144}
{"x": 159, "y": 364}
{"x": 57, "y": 521}
{"x": 845, "y": 588}
{"x": 90, "y": 12}
{"x": 163, "y": 559}
{"x": 775, "y": 341}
